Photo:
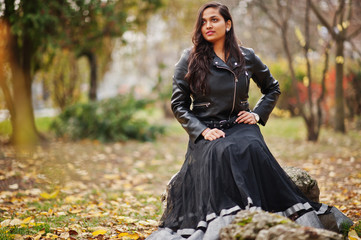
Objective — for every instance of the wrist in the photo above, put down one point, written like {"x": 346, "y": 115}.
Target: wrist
{"x": 256, "y": 116}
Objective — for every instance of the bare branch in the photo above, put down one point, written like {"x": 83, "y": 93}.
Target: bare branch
{"x": 322, "y": 20}
{"x": 349, "y": 14}
{"x": 323, "y": 84}
{"x": 263, "y": 7}
{"x": 354, "y": 33}
{"x": 340, "y": 10}
{"x": 308, "y": 64}
{"x": 354, "y": 48}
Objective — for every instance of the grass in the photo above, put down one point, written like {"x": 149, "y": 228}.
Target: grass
{"x": 288, "y": 128}
{"x": 8, "y": 233}
{"x": 42, "y": 124}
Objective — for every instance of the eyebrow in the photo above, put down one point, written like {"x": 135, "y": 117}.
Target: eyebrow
{"x": 211, "y": 16}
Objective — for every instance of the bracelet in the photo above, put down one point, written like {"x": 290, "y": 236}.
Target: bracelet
{"x": 206, "y": 131}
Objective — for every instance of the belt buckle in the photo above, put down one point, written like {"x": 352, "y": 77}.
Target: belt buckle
{"x": 223, "y": 123}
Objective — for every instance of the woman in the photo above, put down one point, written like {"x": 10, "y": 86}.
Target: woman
{"x": 228, "y": 166}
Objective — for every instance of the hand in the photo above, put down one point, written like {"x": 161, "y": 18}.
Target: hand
{"x": 246, "y": 117}
{"x": 213, "y": 134}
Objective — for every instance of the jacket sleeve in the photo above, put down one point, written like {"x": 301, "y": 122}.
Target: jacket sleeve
{"x": 268, "y": 85}
{"x": 181, "y": 100}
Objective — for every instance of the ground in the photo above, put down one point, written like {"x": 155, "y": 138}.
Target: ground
{"x": 92, "y": 190}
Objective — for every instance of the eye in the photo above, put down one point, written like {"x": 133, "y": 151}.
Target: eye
{"x": 214, "y": 20}
{"x": 203, "y": 22}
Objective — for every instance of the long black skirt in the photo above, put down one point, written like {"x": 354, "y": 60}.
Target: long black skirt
{"x": 221, "y": 177}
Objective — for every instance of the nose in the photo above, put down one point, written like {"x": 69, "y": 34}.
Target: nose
{"x": 209, "y": 24}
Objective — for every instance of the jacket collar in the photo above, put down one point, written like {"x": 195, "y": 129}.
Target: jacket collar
{"x": 218, "y": 62}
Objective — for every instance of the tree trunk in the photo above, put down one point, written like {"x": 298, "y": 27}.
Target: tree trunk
{"x": 93, "y": 75}
{"x": 340, "y": 112}
{"x": 312, "y": 130}
{"x": 24, "y": 129}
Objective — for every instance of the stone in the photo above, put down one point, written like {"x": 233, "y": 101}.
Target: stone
{"x": 261, "y": 225}
{"x": 304, "y": 182}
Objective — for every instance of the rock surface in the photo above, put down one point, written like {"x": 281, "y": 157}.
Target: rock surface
{"x": 261, "y": 225}
{"x": 304, "y": 182}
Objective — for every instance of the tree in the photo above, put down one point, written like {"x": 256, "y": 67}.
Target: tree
{"x": 94, "y": 22}
{"x": 339, "y": 30}
{"x": 31, "y": 28}
{"x": 311, "y": 112}
{"x": 21, "y": 27}
{"x": 314, "y": 117}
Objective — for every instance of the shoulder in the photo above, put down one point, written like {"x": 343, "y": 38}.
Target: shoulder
{"x": 251, "y": 59}
{"x": 181, "y": 67}
{"x": 248, "y": 53}
{"x": 183, "y": 61}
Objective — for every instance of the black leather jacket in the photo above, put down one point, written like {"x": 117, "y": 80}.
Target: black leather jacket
{"x": 227, "y": 94}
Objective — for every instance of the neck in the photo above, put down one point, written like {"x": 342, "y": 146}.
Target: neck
{"x": 218, "y": 48}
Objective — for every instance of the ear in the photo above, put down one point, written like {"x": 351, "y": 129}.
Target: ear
{"x": 229, "y": 24}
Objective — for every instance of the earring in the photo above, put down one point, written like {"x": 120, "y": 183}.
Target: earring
{"x": 227, "y": 30}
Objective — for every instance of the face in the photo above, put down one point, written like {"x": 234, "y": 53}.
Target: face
{"x": 214, "y": 26}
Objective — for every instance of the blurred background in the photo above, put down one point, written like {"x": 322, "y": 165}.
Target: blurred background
{"x": 61, "y": 62}
{"x": 85, "y": 87}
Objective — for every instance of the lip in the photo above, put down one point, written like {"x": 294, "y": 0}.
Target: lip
{"x": 210, "y": 32}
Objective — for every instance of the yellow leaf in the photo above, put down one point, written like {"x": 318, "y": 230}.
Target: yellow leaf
{"x": 39, "y": 234}
{"x": 134, "y": 236}
{"x": 352, "y": 235}
{"x": 124, "y": 234}
{"x": 300, "y": 37}
{"x": 52, "y": 236}
{"x": 74, "y": 211}
{"x": 128, "y": 235}
{"x": 52, "y": 195}
{"x": 99, "y": 232}
{"x": 340, "y": 60}
{"x": 27, "y": 220}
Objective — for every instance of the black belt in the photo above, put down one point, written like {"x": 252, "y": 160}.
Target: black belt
{"x": 222, "y": 124}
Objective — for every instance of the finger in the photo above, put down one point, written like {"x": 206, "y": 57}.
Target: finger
{"x": 242, "y": 118}
{"x": 250, "y": 120}
{"x": 223, "y": 134}
{"x": 247, "y": 119}
{"x": 216, "y": 133}
{"x": 240, "y": 113}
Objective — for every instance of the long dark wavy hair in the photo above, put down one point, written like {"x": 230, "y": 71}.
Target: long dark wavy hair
{"x": 202, "y": 52}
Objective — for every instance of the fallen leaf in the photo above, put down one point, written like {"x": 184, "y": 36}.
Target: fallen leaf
{"x": 5, "y": 223}
{"x": 52, "y": 195}
{"x": 99, "y": 232}
{"x": 15, "y": 222}
{"x": 65, "y": 235}
{"x": 352, "y": 235}
{"x": 27, "y": 220}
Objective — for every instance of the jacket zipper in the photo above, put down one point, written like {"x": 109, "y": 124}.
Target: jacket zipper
{"x": 234, "y": 91}
{"x": 202, "y": 104}
{"x": 247, "y": 81}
